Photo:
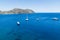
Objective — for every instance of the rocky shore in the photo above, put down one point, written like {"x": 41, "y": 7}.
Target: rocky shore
{"x": 17, "y": 11}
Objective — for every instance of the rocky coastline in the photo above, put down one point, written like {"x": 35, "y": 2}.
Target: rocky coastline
{"x": 17, "y": 11}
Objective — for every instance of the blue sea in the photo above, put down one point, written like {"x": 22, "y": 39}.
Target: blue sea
{"x": 40, "y": 26}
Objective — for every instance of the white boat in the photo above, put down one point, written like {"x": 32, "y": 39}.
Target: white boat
{"x": 37, "y": 18}
{"x": 55, "y": 18}
{"x": 18, "y": 22}
{"x": 26, "y": 19}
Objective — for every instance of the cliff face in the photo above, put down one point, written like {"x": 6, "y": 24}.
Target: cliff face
{"x": 16, "y": 11}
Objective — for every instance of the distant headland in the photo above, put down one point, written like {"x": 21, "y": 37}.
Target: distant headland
{"x": 17, "y": 11}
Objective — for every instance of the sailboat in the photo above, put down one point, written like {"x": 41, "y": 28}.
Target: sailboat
{"x": 27, "y": 19}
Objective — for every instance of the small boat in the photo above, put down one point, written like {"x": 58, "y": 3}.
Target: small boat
{"x": 27, "y": 19}
{"x": 18, "y": 23}
{"x": 55, "y": 18}
{"x": 37, "y": 18}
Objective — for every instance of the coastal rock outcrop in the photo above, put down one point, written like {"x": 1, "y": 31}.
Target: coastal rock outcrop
{"x": 17, "y": 11}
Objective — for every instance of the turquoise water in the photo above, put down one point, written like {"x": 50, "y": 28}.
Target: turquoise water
{"x": 38, "y": 27}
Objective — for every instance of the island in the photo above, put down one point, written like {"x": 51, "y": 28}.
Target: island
{"x": 17, "y": 11}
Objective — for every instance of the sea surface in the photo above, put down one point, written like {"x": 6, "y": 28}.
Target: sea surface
{"x": 39, "y": 26}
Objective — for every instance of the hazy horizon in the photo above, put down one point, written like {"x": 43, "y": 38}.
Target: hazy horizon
{"x": 36, "y": 5}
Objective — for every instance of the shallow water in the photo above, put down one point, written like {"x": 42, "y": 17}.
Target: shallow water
{"x": 38, "y": 27}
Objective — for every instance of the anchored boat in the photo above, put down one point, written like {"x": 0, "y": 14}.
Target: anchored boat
{"x": 18, "y": 23}
{"x": 27, "y": 19}
{"x": 55, "y": 18}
